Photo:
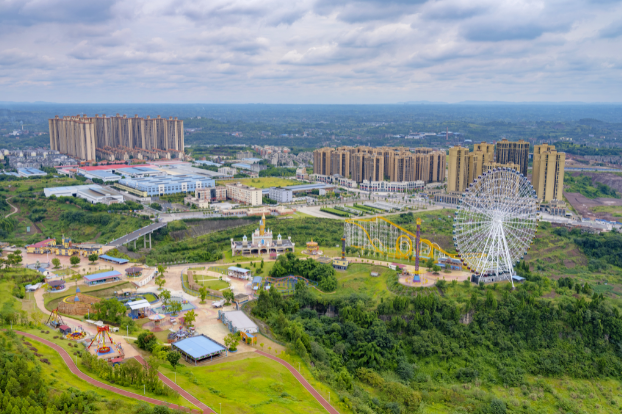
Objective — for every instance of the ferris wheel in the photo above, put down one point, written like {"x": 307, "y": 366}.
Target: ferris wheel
{"x": 495, "y": 223}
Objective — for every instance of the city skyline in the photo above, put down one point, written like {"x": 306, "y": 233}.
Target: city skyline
{"x": 311, "y": 51}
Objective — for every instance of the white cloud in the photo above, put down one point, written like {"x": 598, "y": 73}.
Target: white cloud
{"x": 329, "y": 51}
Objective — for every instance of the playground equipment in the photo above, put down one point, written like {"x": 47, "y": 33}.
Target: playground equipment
{"x": 77, "y": 335}
{"x": 313, "y": 249}
{"x": 103, "y": 332}
{"x": 495, "y": 223}
{"x": 55, "y": 320}
{"x": 387, "y": 238}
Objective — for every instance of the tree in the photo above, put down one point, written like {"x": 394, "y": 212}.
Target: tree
{"x": 109, "y": 309}
{"x": 74, "y": 260}
{"x": 429, "y": 263}
{"x": 93, "y": 257}
{"x": 175, "y": 306}
{"x": 436, "y": 268}
{"x": 161, "y": 270}
{"x": 228, "y": 295}
{"x": 173, "y": 358}
{"x": 165, "y": 295}
{"x": 160, "y": 281}
{"x": 232, "y": 340}
{"x": 190, "y": 317}
{"x": 56, "y": 262}
{"x": 203, "y": 293}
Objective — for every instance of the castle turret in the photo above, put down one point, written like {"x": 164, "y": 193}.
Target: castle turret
{"x": 262, "y": 225}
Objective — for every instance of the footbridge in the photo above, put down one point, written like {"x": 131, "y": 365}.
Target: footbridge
{"x": 136, "y": 234}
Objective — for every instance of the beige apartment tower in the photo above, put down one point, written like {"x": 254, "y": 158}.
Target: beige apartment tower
{"x": 81, "y": 136}
{"x": 384, "y": 163}
{"x": 458, "y": 169}
{"x": 513, "y": 152}
{"x": 548, "y": 172}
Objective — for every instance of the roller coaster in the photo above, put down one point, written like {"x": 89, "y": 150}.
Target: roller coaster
{"x": 387, "y": 238}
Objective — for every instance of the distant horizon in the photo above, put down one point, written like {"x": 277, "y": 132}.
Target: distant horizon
{"x": 467, "y": 102}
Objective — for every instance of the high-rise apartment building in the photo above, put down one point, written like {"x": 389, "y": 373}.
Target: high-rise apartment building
{"x": 458, "y": 169}
{"x": 548, "y": 172}
{"x": 513, "y": 152}
{"x": 397, "y": 164}
{"x": 83, "y": 137}
{"x": 322, "y": 161}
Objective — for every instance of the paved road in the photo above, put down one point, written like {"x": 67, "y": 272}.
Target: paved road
{"x": 136, "y": 234}
{"x": 303, "y": 381}
{"x": 76, "y": 371}
{"x": 180, "y": 390}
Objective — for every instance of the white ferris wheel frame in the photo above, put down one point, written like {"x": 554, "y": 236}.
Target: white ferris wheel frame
{"x": 495, "y": 223}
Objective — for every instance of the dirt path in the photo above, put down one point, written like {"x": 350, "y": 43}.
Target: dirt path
{"x": 303, "y": 381}
{"x": 15, "y": 209}
{"x": 76, "y": 371}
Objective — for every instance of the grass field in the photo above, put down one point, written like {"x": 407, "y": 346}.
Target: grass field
{"x": 261, "y": 182}
{"x": 213, "y": 284}
{"x": 242, "y": 387}
{"x": 616, "y": 211}
{"x": 358, "y": 279}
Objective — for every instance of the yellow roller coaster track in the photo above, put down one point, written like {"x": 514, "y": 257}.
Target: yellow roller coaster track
{"x": 431, "y": 245}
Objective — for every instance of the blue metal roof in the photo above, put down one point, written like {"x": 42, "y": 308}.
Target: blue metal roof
{"x": 113, "y": 259}
{"x": 241, "y": 165}
{"x": 199, "y": 346}
{"x": 102, "y": 276}
{"x": 238, "y": 269}
{"x": 203, "y": 162}
{"x": 257, "y": 279}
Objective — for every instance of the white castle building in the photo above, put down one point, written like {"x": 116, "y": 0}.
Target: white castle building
{"x": 262, "y": 242}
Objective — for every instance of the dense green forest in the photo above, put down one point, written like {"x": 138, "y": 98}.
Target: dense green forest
{"x": 401, "y": 354}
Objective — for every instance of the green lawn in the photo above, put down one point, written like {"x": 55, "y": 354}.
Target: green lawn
{"x": 616, "y": 211}
{"x": 261, "y": 182}
{"x": 213, "y": 284}
{"x": 149, "y": 296}
{"x": 252, "y": 385}
{"x": 358, "y": 279}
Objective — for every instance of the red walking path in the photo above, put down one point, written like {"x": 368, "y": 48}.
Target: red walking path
{"x": 181, "y": 391}
{"x": 303, "y": 381}
{"x": 205, "y": 409}
{"x": 74, "y": 369}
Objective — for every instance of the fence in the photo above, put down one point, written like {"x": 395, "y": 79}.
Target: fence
{"x": 287, "y": 285}
{"x": 187, "y": 288}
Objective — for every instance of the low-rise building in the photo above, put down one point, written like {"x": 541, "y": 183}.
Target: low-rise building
{"x": 104, "y": 175}
{"x": 159, "y": 186}
{"x": 100, "y": 195}
{"x": 228, "y": 171}
{"x": 100, "y": 278}
{"x": 239, "y": 273}
{"x": 280, "y": 195}
{"x": 237, "y": 321}
{"x": 392, "y": 186}
{"x": 244, "y": 194}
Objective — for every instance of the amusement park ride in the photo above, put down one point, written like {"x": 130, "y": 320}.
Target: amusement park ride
{"x": 101, "y": 348}
{"x": 494, "y": 226}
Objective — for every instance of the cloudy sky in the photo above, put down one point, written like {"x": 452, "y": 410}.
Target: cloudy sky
{"x": 310, "y": 51}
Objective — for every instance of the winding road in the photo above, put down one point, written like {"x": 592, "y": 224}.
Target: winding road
{"x": 15, "y": 209}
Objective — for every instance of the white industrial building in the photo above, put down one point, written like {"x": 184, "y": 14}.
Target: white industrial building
{"x": 100, "y": 195}
{"x": 237, "y": 321}
{"x": 104, "y": 175}
{"x": 281, "y": 195}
